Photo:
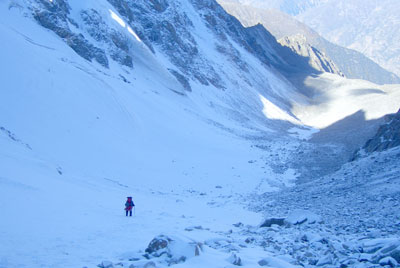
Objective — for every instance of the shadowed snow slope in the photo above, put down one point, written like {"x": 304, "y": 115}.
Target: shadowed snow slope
{"x": 172, "y": 102}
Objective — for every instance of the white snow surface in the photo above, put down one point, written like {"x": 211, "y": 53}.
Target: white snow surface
{"x": 337, "y": 98}
{"x": 76, "y": 140}
{"x": 95, "y": 140}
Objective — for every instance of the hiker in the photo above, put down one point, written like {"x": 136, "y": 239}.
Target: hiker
{"x": 128, "y": 206}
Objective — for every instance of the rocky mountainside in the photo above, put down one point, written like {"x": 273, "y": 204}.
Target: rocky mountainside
{"x": 352, "y": 63}
{"x": 319, "y": 61}
{"x": 160, "y": 26}
{"x": 387, "y": 136}
{"x": 370, "y": 27}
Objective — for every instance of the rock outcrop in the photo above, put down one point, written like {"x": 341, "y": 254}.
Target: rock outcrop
{"x": 387, "y": 137}
{"x": 315, "y": 58}
{"x": 55, "y": 17}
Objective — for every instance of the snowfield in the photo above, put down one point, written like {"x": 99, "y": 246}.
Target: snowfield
{"x": 204, "y": 166}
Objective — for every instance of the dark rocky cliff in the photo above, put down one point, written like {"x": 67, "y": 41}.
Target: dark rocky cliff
{"x": 387, "y": 136}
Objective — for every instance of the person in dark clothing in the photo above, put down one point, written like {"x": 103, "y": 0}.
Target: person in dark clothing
{"x": 128, "y": 206}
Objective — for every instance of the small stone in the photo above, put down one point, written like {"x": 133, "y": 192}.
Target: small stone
{"x": 308, "y": 255}
{"x": 304, "y": 238}
{"x": 105, "y": 264}
{"x": 239, "y": 224}
{"x": 364, "y": 257}
{"x": 325, "y": 260}
{"x": 249, "y": 240}
{"x": 150, "y": 264}
{"x": 312, "y": 261}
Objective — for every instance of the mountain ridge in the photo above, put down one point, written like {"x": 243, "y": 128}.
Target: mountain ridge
{"x": 370, "y": 27}
{"x": 352, "y": 63}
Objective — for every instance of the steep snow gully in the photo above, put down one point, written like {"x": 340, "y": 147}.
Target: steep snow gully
{"x": 229, "y": 160}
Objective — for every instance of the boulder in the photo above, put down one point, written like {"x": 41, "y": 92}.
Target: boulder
{"x": 157, "y": 245}
{"x": 395, "y": 254}
{"x": 269, "y": 222}
{"x": 389, "y": 261}
{"x": 174, "y": 249}
{"x": 300, "y": 216}
{"x": 383, "y": 246}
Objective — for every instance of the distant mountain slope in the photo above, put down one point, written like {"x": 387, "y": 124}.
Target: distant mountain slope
{"x": 352, "y": 63}
{"x": 292, "y": 7}
{"x": 368, "y": 26}
{"x": 371, "y": 27}
{"x": 319, "y": 61}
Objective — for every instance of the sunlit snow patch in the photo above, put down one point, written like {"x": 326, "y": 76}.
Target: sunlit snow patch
{"x": 121, "y": 22}
{"x": 271, "y": 111}
{"x": 117, "y": 18}
{"x": 275, "y": 181}
{"x": 304, "y": 133}
{"x": 289, "y": 177}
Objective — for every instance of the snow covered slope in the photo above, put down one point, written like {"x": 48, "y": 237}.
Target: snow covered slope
{"x": 77, "y": 137}
{"x": 172, "y": 102}
{"x": 120, "y": 104}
